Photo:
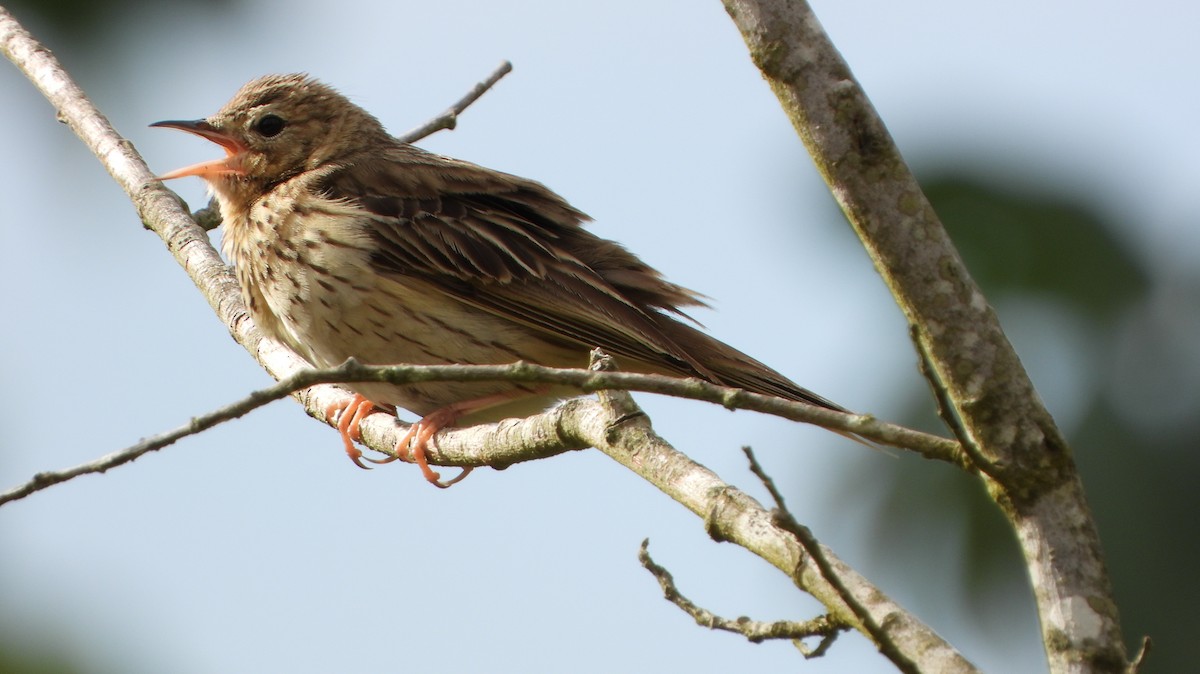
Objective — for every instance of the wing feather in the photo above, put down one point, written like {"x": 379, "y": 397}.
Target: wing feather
{"x": 512, "y": 247}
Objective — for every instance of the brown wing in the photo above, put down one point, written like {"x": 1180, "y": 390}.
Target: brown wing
{"x": 512, "y": 247}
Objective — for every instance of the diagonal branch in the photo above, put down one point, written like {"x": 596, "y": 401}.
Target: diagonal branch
{"x": 160, "y": 209}
{"x": 448, "y": 120}
{"x": 732, "y": 515}
{"x": 1022, "y": 456}
{"x": 783, "y": 518}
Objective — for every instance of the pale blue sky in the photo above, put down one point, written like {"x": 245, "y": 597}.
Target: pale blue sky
{"x": 258, "y": 547}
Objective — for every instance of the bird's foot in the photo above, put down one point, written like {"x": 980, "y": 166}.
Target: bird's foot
{"x": 352, "y": 413}
{"x": 415, "y": 441}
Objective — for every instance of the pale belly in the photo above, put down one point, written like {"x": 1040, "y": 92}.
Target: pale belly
{"x": 379, "y": 321}
{"x": 327, "y": 304}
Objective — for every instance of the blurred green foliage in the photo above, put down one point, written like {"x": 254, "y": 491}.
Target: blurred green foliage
{"x": 1044, "y": 244}
{"x": 79, "y": 21}
{"x": 27, "y": 660}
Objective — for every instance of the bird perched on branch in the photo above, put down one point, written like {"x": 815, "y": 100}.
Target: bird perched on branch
{"x": 350, "y": 243}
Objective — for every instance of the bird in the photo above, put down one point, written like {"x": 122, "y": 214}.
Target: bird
{"x": 349, "y": 243}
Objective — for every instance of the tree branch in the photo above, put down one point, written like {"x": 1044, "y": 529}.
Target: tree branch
{"x": 1024, "y": 459}
{"x": 449, "y": 119}
{"x": 731, "y": 515}
{"x": 1139, "y": 658}
{"x": 755, "y": 631}
{"x": 382, "y": 432}
{"x": 783, "y": 518}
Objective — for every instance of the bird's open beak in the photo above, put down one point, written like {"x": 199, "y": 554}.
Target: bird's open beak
{"x": 209, "y": 169}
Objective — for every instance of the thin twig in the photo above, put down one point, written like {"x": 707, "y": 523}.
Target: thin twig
{"x": 782, "y": 517}
{"x": 827, "y": 627}
{"x": 449, "y": 119}
{"x": 586, "y": 381}
{"x": 1139, "y": 659}
{"x": 198, "y": 424}
{"x": 945, "y": 405}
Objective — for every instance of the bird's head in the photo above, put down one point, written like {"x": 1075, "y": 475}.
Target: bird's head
{"x": 277, "y": 127}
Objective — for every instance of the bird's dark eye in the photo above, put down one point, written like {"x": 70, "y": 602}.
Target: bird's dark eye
{"x": 269, "y": 125}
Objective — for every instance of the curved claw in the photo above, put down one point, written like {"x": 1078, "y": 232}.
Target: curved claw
{"x": 357, "y": 457}
{"x": 417, "y": 452}
{"x": 457, "y": 478}
{"x": 352, "y": 414}
{"x": 410, "y": 448}
{"x": 418, "y": 438}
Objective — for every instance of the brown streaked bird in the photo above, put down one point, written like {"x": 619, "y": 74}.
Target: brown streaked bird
{"x": 350, "y": 243}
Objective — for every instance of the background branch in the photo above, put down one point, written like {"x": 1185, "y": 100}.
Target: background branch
{"x": 1026, "y": 464}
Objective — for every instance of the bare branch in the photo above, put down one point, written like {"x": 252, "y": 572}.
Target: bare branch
{"x": 1023, "y": 456}
{"x": 731, "y": 515}
{"x": 490, "y": 453}
{"x": 160, "y": 209}
{"x": 945, "y": 406}
{"x": 757, "y": 631}
{"x": 449, "y": 118}
{"x": 822, "y": 646}
{"x": 48, "y": 479}
{"x": 783, "y": 518}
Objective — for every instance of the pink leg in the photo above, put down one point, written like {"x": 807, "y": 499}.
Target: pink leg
{"x": 412, "y": 447}
{"x": 417, "y": 439}
{"x": 352, "y": 414}
{"x": 420, "y": 434}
